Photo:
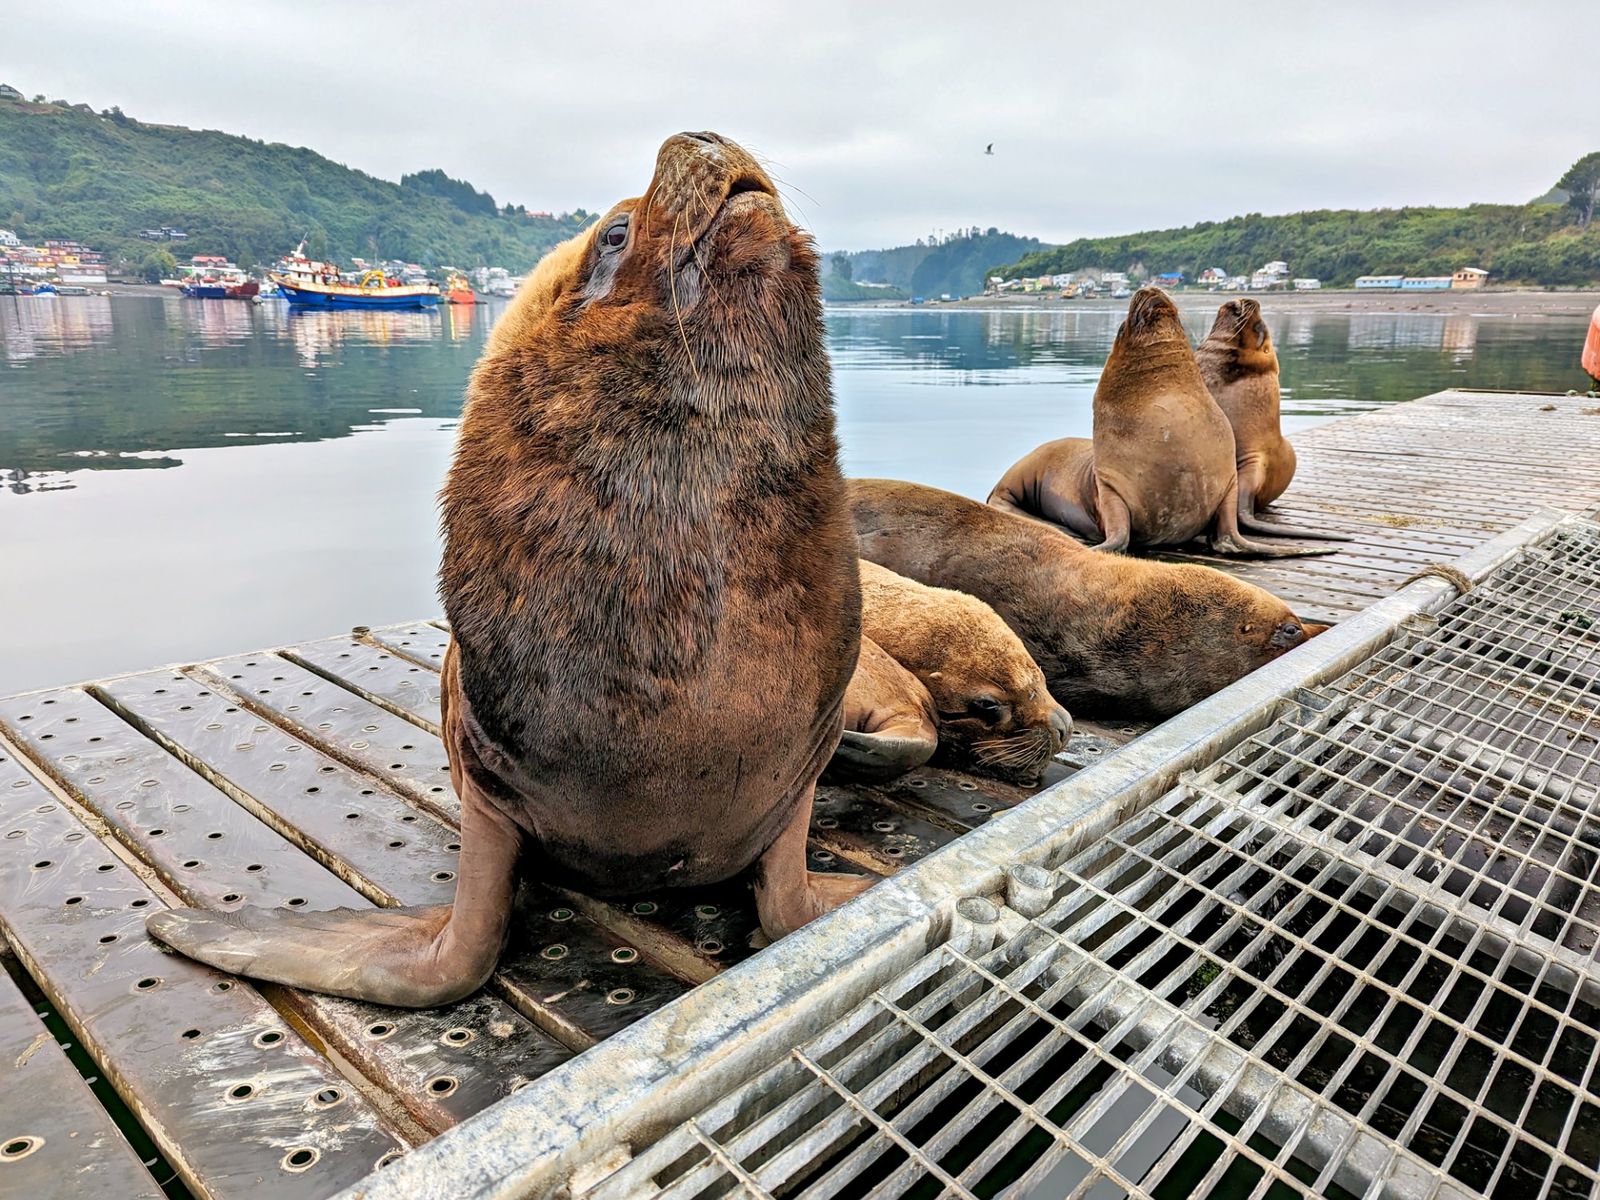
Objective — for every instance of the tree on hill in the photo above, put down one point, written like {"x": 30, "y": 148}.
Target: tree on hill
{"x": 1582, "y": 185}
{"x": 158, "y": 265}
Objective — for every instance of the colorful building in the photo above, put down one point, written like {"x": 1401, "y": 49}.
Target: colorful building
{"x": 1467, "y": 278}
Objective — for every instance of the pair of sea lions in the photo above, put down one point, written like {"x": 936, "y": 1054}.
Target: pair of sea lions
{"x": 1165, "y": 465}
{"x": 940, "y": 670}
{"x": 651, "y": 573}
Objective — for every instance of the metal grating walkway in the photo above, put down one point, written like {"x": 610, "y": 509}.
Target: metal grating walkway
{"x": 1353, "y": 956}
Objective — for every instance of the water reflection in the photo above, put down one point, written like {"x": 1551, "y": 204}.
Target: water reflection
{"x": 97, "y": 383}
{"x": 31, "y": 326}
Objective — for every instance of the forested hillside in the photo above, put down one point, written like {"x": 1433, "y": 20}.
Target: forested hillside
{"x": 67, "y": 171}
{"x": 1545, "y": 242}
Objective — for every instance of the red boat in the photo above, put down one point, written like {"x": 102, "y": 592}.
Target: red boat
{"x": 458, "y": 291}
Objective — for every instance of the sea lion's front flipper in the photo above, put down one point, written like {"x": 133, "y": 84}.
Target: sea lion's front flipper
{"x": 1254, "y": 524}
{"x": 788, "y": 895}
{"x": 378, "y": 955}
{"x": 879, "y": 755}
{"x": 407, "y": 957}
{"x": 1226, "y": 539}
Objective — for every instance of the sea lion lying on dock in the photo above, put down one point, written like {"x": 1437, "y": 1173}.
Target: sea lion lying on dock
{"x": 890, "y": 726}
{"x": 1115, "y": 636}
{"x": 1239, "y": 367}
{"x": 1160, "y": 468}
{"x": 995, "y": 711}
{"x": 651, "y": 582}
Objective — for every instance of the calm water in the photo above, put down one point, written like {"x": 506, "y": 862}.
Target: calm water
{"x": 183, "y": 479}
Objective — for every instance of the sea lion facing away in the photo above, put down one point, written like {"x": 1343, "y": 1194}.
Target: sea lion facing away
{"x": 890, "y": 726}
{"x": 1239, "y": 367}
{"x": 995, "y": 710}
{"x": 1115, "y": 636}
{"x": 1160, "y": 469}
{"x": 651, "y": 582}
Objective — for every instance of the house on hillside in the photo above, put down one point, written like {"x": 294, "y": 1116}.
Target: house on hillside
{"x": 7, "y": 92}
{"x": 1467, "y": 278}
{"x": 7, "y": 238}
{"x": 1169, "y": 279}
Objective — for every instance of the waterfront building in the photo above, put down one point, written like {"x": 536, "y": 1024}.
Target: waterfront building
{"x": 1467, "y": 278}
{"x": 1212, "y": 277}
{"x": 1378, "y": 283}
{"x": 1425, "y": 283}
{"x": 1308, "y": 285}
{"x": 1169, "y": 279}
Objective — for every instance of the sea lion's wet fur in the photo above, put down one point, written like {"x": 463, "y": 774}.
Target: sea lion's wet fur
{"x": 964, "y": 654}
{"x": 1115, "y": 636}
{"x": 1239, "y": 367}
{"x": 648, "y": 566}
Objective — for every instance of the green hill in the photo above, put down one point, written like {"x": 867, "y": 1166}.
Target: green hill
{"x": 954, "y": 263}
{"x": 1542, "y": 243}
{"x": 67, "y": 171}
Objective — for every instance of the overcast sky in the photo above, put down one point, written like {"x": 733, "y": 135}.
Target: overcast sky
{"x": 1106, "y": 118}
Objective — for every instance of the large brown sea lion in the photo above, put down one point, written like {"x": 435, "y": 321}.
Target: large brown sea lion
{"x": 1160, "y": 468}
{"x": 1239, "y": 367}
{"x": 1115, "y": 636}
{"x": 890, "y": 726}
{"x": 995, "y": 710}
{"x": 651, "y": 582}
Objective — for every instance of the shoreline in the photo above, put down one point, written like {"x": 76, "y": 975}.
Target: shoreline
{"x": 1486, "y": 303}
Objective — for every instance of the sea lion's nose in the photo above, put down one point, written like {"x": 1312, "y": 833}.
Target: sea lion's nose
{"x": 1061, "y": 726}
{"x": 1287, "y": 636}
{"x": 706, "y": 136}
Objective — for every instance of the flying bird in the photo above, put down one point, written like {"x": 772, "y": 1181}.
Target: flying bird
{"x": 989, "y": 149}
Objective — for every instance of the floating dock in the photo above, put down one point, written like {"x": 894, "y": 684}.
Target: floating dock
{"x": 1335, "y": 926}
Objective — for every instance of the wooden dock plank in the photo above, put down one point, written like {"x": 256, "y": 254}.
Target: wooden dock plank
{"x": 390, "y": 680}
{"x": 1419, "y": 484}
{"x": 56, "y": 1141}
{"x": 213, "y": 853}
{"x": 234, "y": 1098}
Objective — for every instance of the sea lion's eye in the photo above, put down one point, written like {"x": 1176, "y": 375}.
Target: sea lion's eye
{"x": 615, "y": 237}
{"x": 985, "y": 707}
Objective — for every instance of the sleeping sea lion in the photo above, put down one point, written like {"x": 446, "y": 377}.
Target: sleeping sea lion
{"x": 995, "y": 710}
{"x": 1115, "y": 636}
{"x": 1239, "y": 367}
{"x": 1160, "y": 468}
{"x": 890, "y": 726}
{"x": 651, "y": 582}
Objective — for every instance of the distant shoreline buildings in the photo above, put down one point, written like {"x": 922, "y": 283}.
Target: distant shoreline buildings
{"x": 1270, "y": 277}
{"x": 58, "y": 260}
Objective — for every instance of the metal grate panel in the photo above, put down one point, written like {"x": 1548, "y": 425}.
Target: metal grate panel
{"x": 1353, "y": 956}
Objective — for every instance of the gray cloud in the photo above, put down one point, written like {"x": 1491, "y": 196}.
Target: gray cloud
{"x": 1106, "y": 117}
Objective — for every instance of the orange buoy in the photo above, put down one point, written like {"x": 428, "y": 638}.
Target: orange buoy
{"x": 1591, "y": 347}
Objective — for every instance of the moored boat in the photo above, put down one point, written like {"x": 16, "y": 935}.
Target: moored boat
{"x": 308, "y": 283}
{"x": 459, "y": 291}
{"x": 372, "y": 290}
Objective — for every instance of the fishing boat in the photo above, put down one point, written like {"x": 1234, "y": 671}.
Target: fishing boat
{"x": 372, "y": 290}
{"x": 220, "y": 289}
{"x": 308, "y": 283}
{"x": 458, "y": 291}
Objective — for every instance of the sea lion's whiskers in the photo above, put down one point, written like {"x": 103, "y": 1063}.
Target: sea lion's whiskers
{"x": 677, "y": 312}
{"x": 1030, "y": 749}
